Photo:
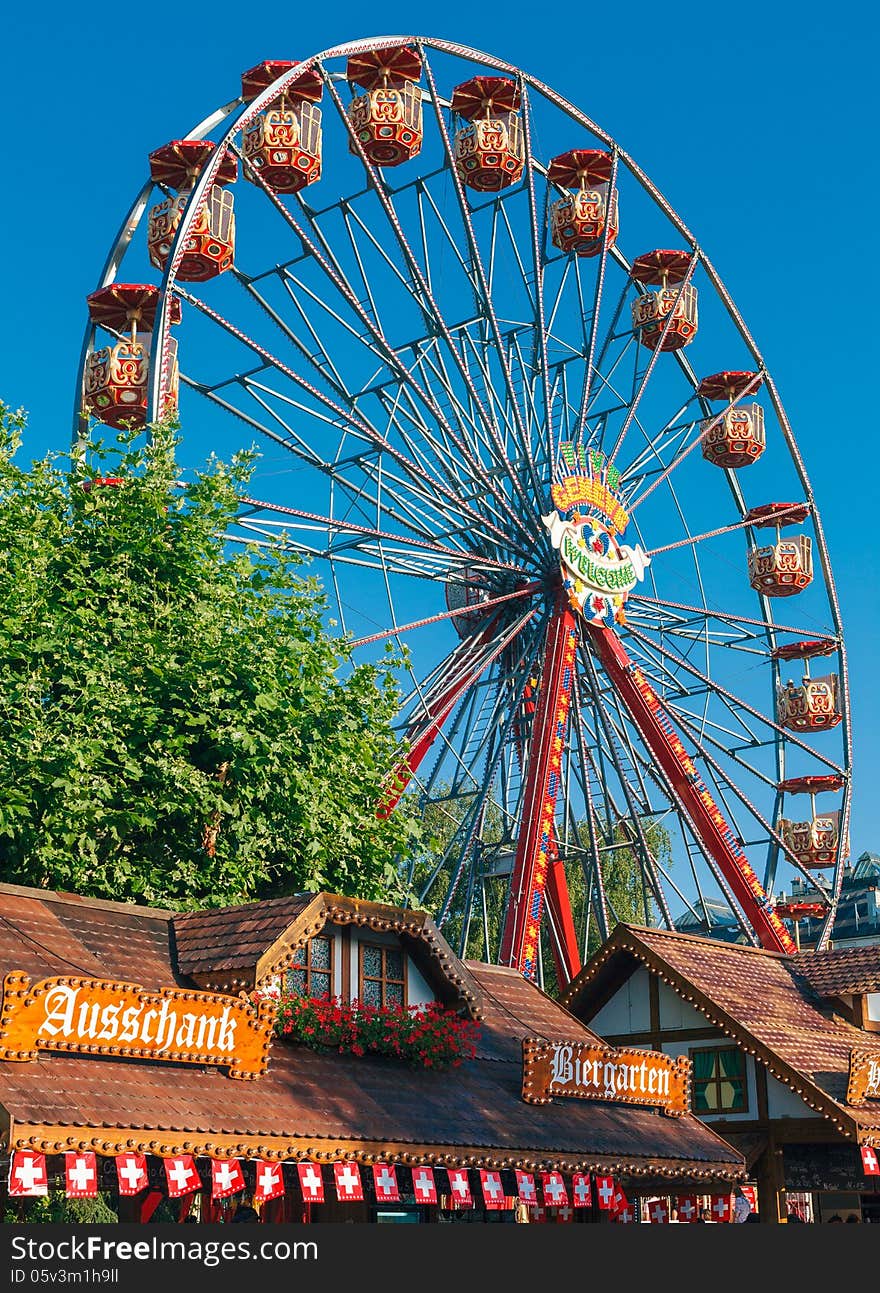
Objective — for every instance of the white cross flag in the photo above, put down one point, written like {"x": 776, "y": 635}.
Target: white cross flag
{"x": 27, "y": 1175}
{"x": 605, "y": 1192}
{"x": 80, "y": 1175}
{"x": 348, "y": 1182}
{"x": 459, "y": 1187}
{"x": 181, "y": 1175}
{"x": 424, "y": 1185}
{"x": 226, "y": 1178}
{"x": 555, "y": 1193}
{"x": 385, "y": 1183}
{"x": 311, "y": 1182}
{"x": 525, "y": 1187}
{"x": 580, "y": 1188}
{"x": 870, "y": 1162}
{"x": 493, "y": 1190}
{"x": 131, "y": 1172}
{"x": 270, "y": 1181}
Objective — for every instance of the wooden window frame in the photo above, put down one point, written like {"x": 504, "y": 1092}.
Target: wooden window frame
{"x": 307, "y": 967}
{"x": 383, "y": 948}
{"x": 717, "y": 1081}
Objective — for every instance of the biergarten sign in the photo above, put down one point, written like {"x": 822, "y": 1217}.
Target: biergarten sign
{"x": 864, "y": 1077}
{"x": 590, "y": 1071}
{"x": 104, "y": 1017}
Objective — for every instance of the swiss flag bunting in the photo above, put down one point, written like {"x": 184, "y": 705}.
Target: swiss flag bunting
{"x": 493, "y": 1190}
{"x": 131, "y": 1173}
{"x": 311, "y": 1182}
{"x": 424, "y": 1185}
{"x": 870, "y": 1161}
{"x": 385, "y": 1183}
{"x": 226, "y": 1178}
{"x": 720, "y": 1207}
{"x": 459, "y": 1187}
{"x": 554, "y": 1191}
{"x": 620, "y": 1202}
{"x": 605, "y": 1192}
{"x": 348, "y": 1182}
{"x": 625, "y": 1216}
{"x": 525, "y": 1187}
{"x": 686, "y": 1207}
{"x": 80, "y": 1175}
{"x": 181, "y": 1175}
{"x": 580, "y": 1189}
{"x": 658, "y": 1213}
{"x": 270, "y": 1181}
{"x": 27, "y": 1175}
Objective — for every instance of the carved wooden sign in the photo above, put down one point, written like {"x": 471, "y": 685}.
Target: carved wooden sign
{"x": 589, "y": 1071}
{"x": 864, "y": 1077}
{"x": 104, "y": 1017}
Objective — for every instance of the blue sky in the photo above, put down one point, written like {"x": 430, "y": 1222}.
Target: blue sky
{"x": 755, "y": 122}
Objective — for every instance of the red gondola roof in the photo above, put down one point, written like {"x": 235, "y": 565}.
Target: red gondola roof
{"x": 804, "y": 650}
{"x": 115, "y": 305}
{"x": 177, "y": 164}
{"x": 257, "y": 79}
{"x": 655, "y": 266}
{"x": 377, "y": 67}
{"x": 483, "y": 94}
{"x": 812, "y": 785}
{"x": 778, "y": 514}
{"x": 729, "y": 385}
{"x": 794, "y": 910}
{"x": 592, "y": 165}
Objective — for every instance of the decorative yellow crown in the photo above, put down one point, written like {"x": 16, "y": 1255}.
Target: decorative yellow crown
{"x": 589, "y": 485}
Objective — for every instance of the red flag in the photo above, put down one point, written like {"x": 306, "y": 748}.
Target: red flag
{"x": 619, "y": 1202}
{"x": 564, "y": 1214}
{"x": 459, "y": 1187}
{"x": 538, "y": 1215}
{"x": 181, "y": 1175}
{"x": 311, "y": 1182}
{"x": 525, "y": 1187}
{"x": 580, "y": 1190}
{"x": 870, "y": 1162}
{"x": 605, "y": 1192}
{"x": 27, "y": 1175}
{"x": 80, "y": 1175}
{"x": 270, "y": 1181}
{"x": 424, "y": 1186}
{"x": 131, "y": 1173}
{"x": 348, "y": 1182}
{"x": 721, "y": 1207}
{"x": 553, "y": 1187}
{"x": 493, "y": 1190}
{"x": 687, "y": 1208}
{"x": 226, "y": 1178}
{"x": 625, "y": 1216}
{"x": 385, "y": 1183}
{"x": 658, "y": 1213}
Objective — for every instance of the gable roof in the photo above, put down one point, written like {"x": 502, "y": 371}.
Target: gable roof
{"x": 761, "y": 999}
{"x": 309, "y": 1103}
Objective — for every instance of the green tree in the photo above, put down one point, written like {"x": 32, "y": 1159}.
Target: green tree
{"x": 176, "y": 725}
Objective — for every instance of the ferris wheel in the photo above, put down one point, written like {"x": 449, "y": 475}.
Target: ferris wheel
{"x": 510, "y": 412}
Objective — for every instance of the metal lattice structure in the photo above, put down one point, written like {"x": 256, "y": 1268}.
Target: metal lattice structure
{"x": 477, "y": 346}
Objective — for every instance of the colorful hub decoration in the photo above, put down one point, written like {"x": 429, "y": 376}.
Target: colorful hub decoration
{"x": 387, "y": 120}
{"x": 490, "y": 150}
{"x": 598, "y": 572}
{"x": 577, "y": 222}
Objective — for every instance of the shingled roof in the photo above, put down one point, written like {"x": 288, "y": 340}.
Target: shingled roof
{"x": 842, "y": 971}
{"x": 310, "y": 1104}
{"x": 762, "y": 999}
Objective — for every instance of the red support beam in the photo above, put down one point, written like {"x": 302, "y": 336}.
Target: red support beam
{"x": 534, "y": 862}
{"x": 703, "y": 813}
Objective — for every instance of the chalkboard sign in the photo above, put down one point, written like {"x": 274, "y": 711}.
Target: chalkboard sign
{"x": 827, "y": 1167}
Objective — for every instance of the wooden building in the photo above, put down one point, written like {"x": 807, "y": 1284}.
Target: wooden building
{"x": 785, "y": 1053}
{"x": 73, "y": 1084}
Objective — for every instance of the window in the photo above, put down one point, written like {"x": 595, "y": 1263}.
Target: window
{"x": 383, "y": 975}
{"x": 719, "y": 1081}
{"x": 311, "y": 970}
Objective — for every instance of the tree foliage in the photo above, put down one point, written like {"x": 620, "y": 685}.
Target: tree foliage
{"x": 176, "y": 725}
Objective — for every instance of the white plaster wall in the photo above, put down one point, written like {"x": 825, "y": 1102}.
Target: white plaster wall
{"x": 783, "y": 1103}
{"x": 628, "y": 1011}
{"x": 873, "y": 1002}
{"x": 676, "y": 1012}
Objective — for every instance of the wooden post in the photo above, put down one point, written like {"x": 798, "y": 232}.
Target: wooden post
{"x": 770, "y": 1178}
